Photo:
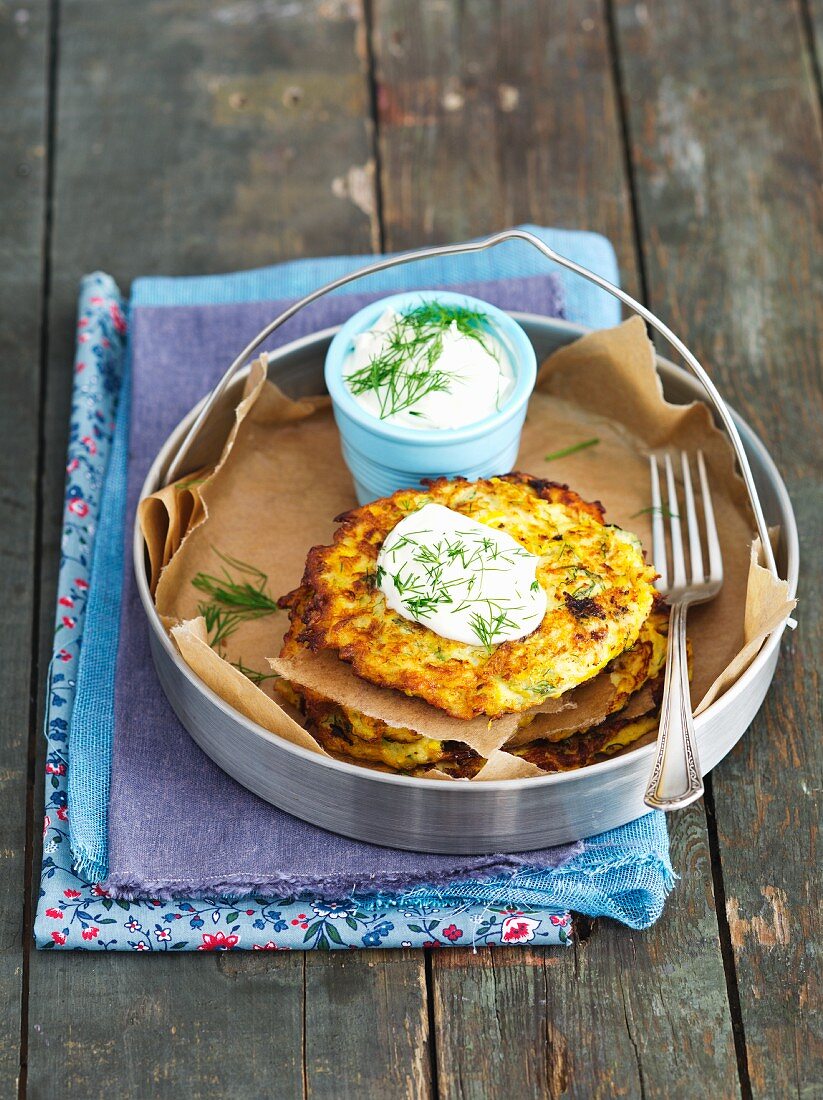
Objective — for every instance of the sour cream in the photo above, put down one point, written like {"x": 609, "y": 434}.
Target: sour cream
{"x": 462, "y": 579}
{"x": 440, "y": 377}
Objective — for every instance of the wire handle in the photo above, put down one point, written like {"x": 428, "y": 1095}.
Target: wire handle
{"x": 177, "y": 467}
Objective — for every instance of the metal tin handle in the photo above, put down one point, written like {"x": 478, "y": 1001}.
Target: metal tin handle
{"x": 177, "y": 467}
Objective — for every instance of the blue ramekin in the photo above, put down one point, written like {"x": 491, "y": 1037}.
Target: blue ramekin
{"x": 385, "y": 457}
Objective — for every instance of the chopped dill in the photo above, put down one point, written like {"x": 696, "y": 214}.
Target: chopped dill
{"x": 591, "y": 582}
{"x": 429, "y": 573}
{"x": 406, "y": 370}
{"x": 575, "y": 447}
{"x": 252, "y": 674}
{"x": 584, "y": 592}
{"x": 565, "y": 550}
{"x": 543, "y": 687}
{"x": 489, "y": 626}
{"x": 659, "y": 509}
{"x": 237, "y": 594}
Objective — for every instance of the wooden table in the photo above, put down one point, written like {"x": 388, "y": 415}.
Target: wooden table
{"x": 186, "y": 136}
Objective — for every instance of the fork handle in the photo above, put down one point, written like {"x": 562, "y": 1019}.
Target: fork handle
{"x": 675, "y": 780}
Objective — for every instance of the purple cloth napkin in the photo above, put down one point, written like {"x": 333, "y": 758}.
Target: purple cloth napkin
{"x": 177, "y": 823}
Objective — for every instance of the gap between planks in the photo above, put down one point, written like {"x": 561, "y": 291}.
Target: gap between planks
{"x": 724, "y": 935}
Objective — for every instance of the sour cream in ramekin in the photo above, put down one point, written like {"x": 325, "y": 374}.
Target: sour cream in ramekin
{"x": 429, "y": 367}
{"x": 411, "y": 406}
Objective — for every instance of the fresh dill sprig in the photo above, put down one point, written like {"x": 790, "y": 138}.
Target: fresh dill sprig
{"x": 406, "y": 370}
{"x": 575, "y": 447}
{"x": 238, "y": 594}
{"x": 252, "y": 674}
{"x": 220, "y": 623}
{"x": 658, "y": 509}
{"x": 489, "y": 626}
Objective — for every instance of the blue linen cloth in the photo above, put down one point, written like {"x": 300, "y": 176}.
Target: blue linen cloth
{"x": 625, "y": 874}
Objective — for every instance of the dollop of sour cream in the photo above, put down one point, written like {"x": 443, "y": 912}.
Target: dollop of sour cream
{"x": 422, "y": 375}
{"x": 462, "y": 579}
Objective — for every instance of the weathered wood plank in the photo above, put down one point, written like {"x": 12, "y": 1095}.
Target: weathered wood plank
{"x": 24, "y": 37}
{"x": 198, "y": 137}
{"x": 726, "y": 149}
{"x": 488, "y": 115}
{"x": 222, "y": 1025}
{"x": 492, "y": 114}
{"x": 624, "y": 1014}
{"x": 367, "y": 1026}
{"x": 815, "y": 28}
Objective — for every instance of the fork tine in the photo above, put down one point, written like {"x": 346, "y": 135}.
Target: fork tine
{"x": 712, "y": 541}
{"x": 658, "y": 533}
{"x": 695, "y": 552}
{"x": 678, "y": 562}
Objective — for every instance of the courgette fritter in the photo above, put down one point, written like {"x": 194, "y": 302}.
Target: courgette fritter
{"x": 598, "y": 586}
{"x": 596, "y": 744}
{"x": 351, "y": 735}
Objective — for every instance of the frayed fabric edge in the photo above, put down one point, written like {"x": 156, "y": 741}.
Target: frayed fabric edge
{"x": 327, "y": 888}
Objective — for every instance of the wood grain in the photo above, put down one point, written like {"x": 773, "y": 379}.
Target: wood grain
{"x": 623, "y": 1014}
{"x": 725, "y": 140}
{"x": 193, "y": 1025}
{"x": 24, "y": 37}
{"x": 197, "y": 137}
{"x": 815, "y": 32}
{"x": 489, "y": 115}
{"x": 367, "y": 1026}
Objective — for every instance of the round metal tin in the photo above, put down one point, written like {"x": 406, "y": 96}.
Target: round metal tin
{"x": 430, "y": 815}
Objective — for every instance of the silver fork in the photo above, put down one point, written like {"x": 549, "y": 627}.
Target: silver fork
{"x": 675, "y": 780}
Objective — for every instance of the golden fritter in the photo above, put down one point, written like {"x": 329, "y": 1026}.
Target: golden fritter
{"x": 359, "y": 739}
{"x": 598, "y": 743}
{"x": 351, "y": 735}
{"x": 346, "y": 732}
{"x": 598, "y": 586}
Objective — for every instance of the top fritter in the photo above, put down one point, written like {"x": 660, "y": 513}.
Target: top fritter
{"x": 598, "y": 592}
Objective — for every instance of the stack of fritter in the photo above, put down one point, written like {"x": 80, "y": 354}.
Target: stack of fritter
{"x": 602, "y": 621}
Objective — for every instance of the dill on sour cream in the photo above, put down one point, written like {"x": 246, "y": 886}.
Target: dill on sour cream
{"x": 462, "y": 579}
{"x": 435, "y": 366}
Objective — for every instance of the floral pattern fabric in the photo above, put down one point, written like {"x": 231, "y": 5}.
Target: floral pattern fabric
{"x": 73, "y": 913}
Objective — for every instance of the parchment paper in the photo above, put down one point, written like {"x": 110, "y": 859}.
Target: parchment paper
{"x": 281, "y": 480}
{"x": 165, "y": 518}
